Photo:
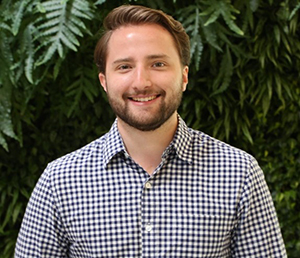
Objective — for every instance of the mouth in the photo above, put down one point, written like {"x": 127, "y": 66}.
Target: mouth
{"x": 144, "y": 99}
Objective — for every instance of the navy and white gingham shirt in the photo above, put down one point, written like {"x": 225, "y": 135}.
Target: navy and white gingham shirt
{"x": 205, "y": 199}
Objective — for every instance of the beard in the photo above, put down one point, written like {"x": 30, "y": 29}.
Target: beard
{"x": 146, "y": 120}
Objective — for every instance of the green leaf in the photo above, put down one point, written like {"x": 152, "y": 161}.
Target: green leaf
{"x": 6, "y": 126}
{"x": 99, "y": 2}
{"x": 16, "y": 212}
{"x": 277, "y": 34}
{"x": 29, "y": 61}
{"x": 227, "y": 121}
{"x": 40, "y": 7}
{"x": 198, "y": 109}
{"x": 11, "y": 207}
{"x": 3, "y": 142}
{"x": 217, "y": 127}
{"x": 49, "y": 54}
{"x": 294, "y": 11}
{"x": 247, "y": 133}
{"x": 266, "y": 105}
{"x": 225, "y": 73}
{"x": 211, "y": 36}
{"x": 209, "y": 10}
{"x": 213, "y": 17}
{"x": 192, "y": 24}
{"x": 254, "y": 4}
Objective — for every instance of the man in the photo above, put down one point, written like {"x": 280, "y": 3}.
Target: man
{"x": 151, "y": 186}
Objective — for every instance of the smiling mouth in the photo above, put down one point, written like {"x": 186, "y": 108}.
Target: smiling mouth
{"x": 144, "y": 99}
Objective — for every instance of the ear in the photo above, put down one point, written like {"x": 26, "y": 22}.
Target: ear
{"x": 185, "y": 77}
{"x": 102, "y": 80}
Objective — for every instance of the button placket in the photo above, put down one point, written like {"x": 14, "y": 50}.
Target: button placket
{"x": 148, "y": 227}
{"x": 148, "y": 185}
{"x": 148, "y": 224}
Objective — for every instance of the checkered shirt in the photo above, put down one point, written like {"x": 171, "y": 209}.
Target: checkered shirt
{"x": 205, "y": 199}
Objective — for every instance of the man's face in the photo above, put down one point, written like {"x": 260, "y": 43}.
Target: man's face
{"x": 144, "y": 78}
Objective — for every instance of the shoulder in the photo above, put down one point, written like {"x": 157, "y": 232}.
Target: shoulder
{"x": 214, "y": 151}
{"x": 79, "y": 159}
{"x": 208, "y": 152}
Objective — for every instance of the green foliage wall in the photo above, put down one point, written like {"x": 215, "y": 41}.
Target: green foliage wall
{"x": 243, "y": 89}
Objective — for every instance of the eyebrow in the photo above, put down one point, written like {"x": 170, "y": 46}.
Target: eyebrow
{"x": 123, "y": 60}
{"x": 150, "y": 57}
{"x": 158, "y": 56}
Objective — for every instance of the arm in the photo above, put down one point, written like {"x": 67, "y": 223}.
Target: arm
{"x": 258, "y": 232}
{"x": 41, "y": 233}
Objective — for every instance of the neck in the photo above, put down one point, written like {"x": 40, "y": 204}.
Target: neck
{"x": 147, "y": 147}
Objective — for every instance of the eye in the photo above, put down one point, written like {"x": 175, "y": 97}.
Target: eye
{"x": 158, "y": 64}
{"x": 124, "y": 67}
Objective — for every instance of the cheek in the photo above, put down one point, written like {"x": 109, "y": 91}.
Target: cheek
{"x": 117, "y": 87}
{"x": 119, "y": 80}
{"x": 175, "y": 85}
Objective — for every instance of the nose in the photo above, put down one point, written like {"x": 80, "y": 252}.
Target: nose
{"x": 142, "y": 78}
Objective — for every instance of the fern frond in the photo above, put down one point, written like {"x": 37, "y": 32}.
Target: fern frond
{"x": 193, "y": 45}
{"x": 226, "y": 10}
{"x": 196, "y": 41}
{"x": 29, "y": 48}
{"x": 196, "y": 23}
{"x": 225, "y": 73}
{"x": 213, "y": 17}
{"x": 69, "y": 41}
{"x": 186, "y": 15}
{"x": 188, "y": 23}
{"x": 82, "y": 9}
{"x": 61, "y": 25}
{"x": 210, "y": 34}
{"x": 18, "y": 15}
{"x": 100, "y": 2}
{"x": 79, "y": 23}
{"x": 52, "y": 5}
{"x": 192, "y": 25}
{"x": 4, "y": 26}
{"x": 76, "y": 31}
{"x": 6, "y": 126}
{"x": 198, "y": 51}
{"x": 221, "y": 8}
{"x": 48, "y": 24}
{"x": 49, "y": 53}
{"x": 208, "y": 10}
{"x": 83, "y": 85}
{"x": 5, "y": 52}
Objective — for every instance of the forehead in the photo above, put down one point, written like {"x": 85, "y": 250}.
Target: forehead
{"x": 140, "y": 28}
{"x": 147, "y": 37}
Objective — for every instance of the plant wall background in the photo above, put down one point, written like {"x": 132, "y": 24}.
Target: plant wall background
{"x": 244, "y": 88}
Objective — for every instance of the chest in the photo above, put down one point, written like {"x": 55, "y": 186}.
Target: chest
{"x": 181, "y": 211}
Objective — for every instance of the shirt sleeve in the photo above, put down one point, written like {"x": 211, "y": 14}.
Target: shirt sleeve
{"x": 42, "y": 234}
{"x": 258, "y": 233}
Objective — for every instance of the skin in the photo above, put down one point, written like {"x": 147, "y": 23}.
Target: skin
{"x": 144, "y": 82}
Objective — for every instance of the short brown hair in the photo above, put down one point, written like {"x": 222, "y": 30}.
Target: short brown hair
{"x": 134, "y": 15}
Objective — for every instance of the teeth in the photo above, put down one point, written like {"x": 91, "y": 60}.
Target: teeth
{"x": 144, "y": 99}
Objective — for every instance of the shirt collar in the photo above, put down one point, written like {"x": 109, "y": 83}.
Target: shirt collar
{"x": 182, "y": 143}
{"x": 113, "y": 145}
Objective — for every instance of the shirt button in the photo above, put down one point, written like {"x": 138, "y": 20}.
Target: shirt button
{"x": 148, "y": 185}
{"x": 148, "y": 227}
